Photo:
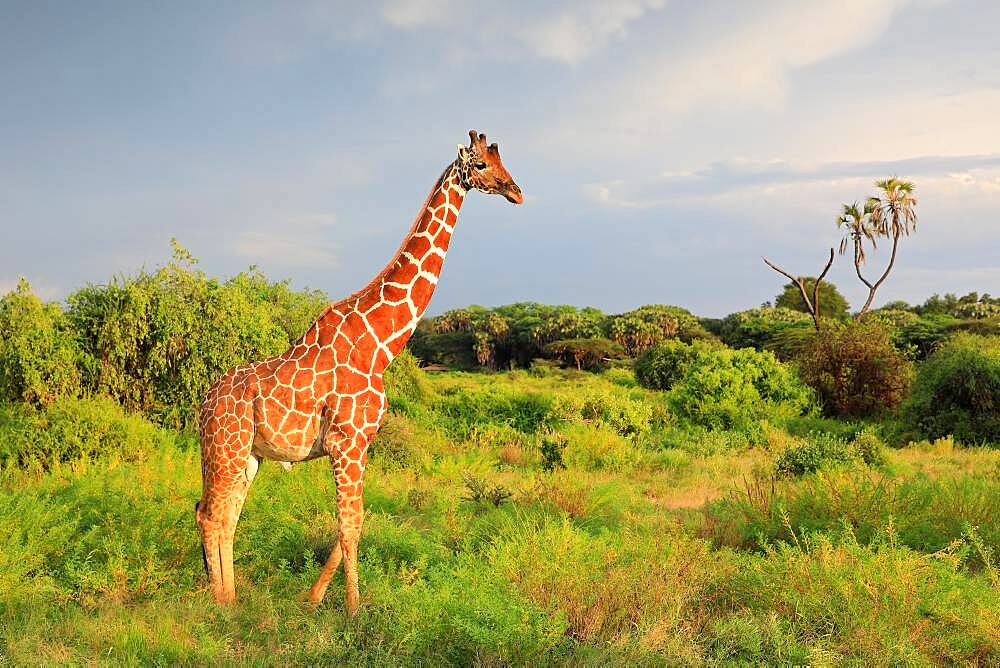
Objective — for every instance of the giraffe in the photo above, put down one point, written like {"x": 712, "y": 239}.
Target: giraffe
{"x": 324, "y": 396}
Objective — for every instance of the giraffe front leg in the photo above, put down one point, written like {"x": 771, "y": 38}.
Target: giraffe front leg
{"x": 318, "y": 590}
{"x": 352, "y": 514}
{"x": 348, "y": 468}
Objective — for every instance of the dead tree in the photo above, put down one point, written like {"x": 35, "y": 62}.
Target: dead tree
{"x": 813, "y": 304}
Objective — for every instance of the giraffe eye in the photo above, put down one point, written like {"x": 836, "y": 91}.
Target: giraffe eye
{"x": 480, "y": 165}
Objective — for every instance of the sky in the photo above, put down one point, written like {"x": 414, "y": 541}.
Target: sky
{"x": 663, "y": 146}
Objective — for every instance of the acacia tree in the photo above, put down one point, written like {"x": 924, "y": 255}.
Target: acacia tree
{"x": 891, "y": 215}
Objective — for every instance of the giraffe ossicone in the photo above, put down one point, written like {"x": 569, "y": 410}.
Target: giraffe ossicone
{"x": 324, "y": 396}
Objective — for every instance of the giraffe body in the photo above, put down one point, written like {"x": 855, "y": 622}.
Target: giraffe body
{"x": 324, "y": 396}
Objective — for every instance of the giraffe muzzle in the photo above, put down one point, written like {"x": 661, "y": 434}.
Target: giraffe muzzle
{"x": 513, "y": 194}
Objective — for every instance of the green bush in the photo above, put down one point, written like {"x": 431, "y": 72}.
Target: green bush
{"x": 393, "y": 445}
{"x": 68, "y": 430}
{"x": 40, "y": 360}
{"x": 957, "y": 391}
{"x": 821, "y": 450}
{"x": 162, "y": 339}
{"x": 855, "y": 369}
{"x": 816, "y": 452}
{"x": 925, "y": 334}
{"x": 659, "y": 367}
{"x": 617, "y": 411}
{"x": 735, "y": 389}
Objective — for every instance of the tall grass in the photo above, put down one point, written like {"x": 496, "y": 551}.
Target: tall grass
{"x": 650, "y": 546}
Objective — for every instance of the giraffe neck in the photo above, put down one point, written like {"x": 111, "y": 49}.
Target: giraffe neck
{"x": 381, "y": 317}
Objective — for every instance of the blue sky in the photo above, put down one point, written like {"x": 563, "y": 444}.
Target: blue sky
{"x": 663, "y": 146}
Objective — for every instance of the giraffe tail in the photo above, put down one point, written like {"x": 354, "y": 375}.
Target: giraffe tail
{"x": 204, "y": 555}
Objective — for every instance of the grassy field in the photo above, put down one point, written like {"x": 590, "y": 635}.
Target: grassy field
{"x": 549, "y": 518}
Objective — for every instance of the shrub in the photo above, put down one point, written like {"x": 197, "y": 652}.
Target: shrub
{"x": 39, "y": 357}
{"x": 816, "y": 452}
{"x": 162, "y": 338}
{"x": 482, "y": 492}
{"x": 733, "y": 389}
{"x": 957, "y": 391}
{"x": 661, "y": 366}
{"x": 552, "y": 449}
{"x": 616, "y": 410}
{"x": 823, "y": 451}
{"x": 926, "y": 333}
{"x": 788, "y": 343}
{"x": 870, "y": 447}
{"x": 72, "y": 429}
{"x": 855, "y": 370}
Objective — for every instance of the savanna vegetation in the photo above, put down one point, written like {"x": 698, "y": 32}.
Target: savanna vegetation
{"x": 578, "y": 488}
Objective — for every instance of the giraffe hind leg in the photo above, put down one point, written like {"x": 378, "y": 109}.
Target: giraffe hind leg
{"x": 211, "y": 536}
{"x": 218, "y": 513}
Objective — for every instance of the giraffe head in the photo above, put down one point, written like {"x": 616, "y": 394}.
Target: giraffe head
{"x": 480, "y": 167}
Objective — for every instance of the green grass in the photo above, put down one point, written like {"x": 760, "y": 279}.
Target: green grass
{"x": 651, "y": 546}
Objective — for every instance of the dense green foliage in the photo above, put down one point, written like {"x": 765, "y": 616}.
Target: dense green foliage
{"x": 161, "y": 339}
{"x": 957, "y": 391}
{"x": 756, "y": 328}
{"x": 855, "y": 369}
{"x": 822, "y": 450}
{"x": 69, "y": 430}
{"x": 154, "y": 341}
{"x": 734, "y": 389}
{"x": 663, "y": 365}
{"x": 832, "y": 304}
{"x": 514, "y": 335}
{"x": 40, "y": 359}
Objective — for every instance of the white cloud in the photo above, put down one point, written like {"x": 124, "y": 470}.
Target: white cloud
{"x": 573, "y": 33}
{"x": 719, "y": 65}
{"x": 966, "y": 176}
{"x": 416, "y": 13}
{"x": 300, "y": 241}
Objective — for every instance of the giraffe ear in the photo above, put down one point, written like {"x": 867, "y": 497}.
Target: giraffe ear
{"x": 463, "y": 153}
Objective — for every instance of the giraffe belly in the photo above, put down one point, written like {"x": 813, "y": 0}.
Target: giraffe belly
{"x": 287, "y": 452}
{"x": 296, "y": 440}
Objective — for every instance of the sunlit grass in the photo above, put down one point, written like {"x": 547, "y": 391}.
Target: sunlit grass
{"x": 642, "y": 549}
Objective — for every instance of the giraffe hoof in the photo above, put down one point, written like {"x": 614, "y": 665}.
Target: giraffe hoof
{"x": 286, "y": 465}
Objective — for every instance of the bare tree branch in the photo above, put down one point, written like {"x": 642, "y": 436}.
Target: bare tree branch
{"x": 819, "y": 279}
{"x": 813, "y": 304}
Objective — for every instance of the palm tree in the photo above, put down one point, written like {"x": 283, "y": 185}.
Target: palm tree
{"x": 859, "y": 226}
{"x": 891, "y": 215}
